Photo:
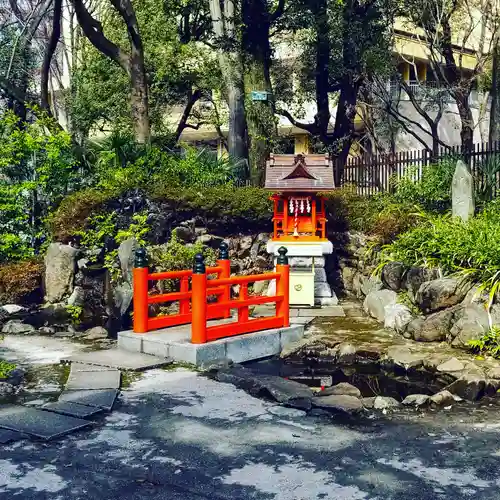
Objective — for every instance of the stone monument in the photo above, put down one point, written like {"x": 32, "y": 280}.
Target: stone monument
{"x": 462, "y": 192}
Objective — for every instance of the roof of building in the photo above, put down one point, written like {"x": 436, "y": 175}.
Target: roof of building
{"x": 302, "y": 172}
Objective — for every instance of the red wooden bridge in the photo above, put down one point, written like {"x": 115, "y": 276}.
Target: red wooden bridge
{"x": 196, "y": 286}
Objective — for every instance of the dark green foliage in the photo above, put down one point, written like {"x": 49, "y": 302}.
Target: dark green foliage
{"x": 489, "y": 343}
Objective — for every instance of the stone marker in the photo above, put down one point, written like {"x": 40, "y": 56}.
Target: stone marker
{"x": 98, "y": 398}
{"x": 462, "y": 192}
{"x": 72, "y": 409}
{"x": 38, "y": 423}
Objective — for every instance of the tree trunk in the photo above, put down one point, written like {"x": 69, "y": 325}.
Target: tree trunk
{"x": 495, "y": 97}
{"x": 139, "y": 97}
{"x": 465, "y": 113}
{"x": 257, "y": 57}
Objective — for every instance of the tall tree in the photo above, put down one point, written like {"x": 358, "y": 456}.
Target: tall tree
{"x": 131, "y": 61}
{"x": 225, "y": 21}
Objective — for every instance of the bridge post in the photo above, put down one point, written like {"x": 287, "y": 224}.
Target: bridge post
{"x": 283, "y": 286}
{"x": 140, "y": 291}
{"x": 199, "y": 301}
{"x": 225, "y": 263}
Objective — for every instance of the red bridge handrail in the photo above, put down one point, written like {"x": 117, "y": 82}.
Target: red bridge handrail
{"x": 193, "y": 301}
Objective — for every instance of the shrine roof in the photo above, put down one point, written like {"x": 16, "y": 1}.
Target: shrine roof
{"x": 302, "y": 172}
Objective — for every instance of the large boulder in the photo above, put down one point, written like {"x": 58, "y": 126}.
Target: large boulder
{"x": 392, "y": 275}
{"x": 415, "y": 276}
{"x": 397, "y": 317}
{"x": 343, "y": 388}
{"x": 375, "y": 303}
{"x": 434, "y": 328}
{"x": 60, "y": 267}
{"x": 348, "y": 274}
{"x": 186, "y": 234}
{"x": 402, "y": 357}
{"x": 470, "y": 386}
{"x": 441, "y": 293}
{"x": 287, "y": 392}
{"x": 15, "y": 326}
{"x": 385, "y": 403}
{"x": 470, "y": 323}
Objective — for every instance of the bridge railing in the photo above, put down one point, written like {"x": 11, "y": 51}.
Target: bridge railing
{"x": 199, "y": 284}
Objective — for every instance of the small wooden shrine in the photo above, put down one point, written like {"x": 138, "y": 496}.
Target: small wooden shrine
{"x": 296, "y": 180}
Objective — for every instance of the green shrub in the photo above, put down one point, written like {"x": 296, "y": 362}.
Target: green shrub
{"x": 433, "y": 190}
{"x": 5, "y": 369}
{"x": 381, "y": 215}
{"x": 471, "y": 249}
{"x": 21, "y": 282}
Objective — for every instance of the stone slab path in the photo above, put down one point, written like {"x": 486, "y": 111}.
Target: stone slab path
{"x": 119, "y": 360}
{"x": 91, "y": 388}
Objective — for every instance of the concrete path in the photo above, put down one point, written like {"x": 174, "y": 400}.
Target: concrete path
{"x": 176, "y": 435}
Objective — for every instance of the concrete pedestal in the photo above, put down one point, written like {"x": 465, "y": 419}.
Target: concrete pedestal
{"x": 308, "y": 282}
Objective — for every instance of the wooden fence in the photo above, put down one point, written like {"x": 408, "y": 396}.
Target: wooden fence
{"x": 370, "y": 174}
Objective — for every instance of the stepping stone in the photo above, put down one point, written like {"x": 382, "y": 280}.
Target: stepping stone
{"x": 119, "y": 359}
{"x": 72, "y": 409}
{"x": 79, "y": 380}
{"x": 97, "y": 398}
{"x": 325, "y": 312}
{"x": 301, "y": 320}
{"x": 38, "y": 423}
{"x": 85, "y": 367}
{"x": 7, "y": 436}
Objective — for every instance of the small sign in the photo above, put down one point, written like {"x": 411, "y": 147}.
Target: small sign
{"x": 259, "y": 95}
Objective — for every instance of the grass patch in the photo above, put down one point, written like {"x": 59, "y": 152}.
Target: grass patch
{"x": 5, "y": 369}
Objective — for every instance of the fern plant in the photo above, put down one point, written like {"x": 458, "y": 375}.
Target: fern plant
{"x": 489, "y": 343}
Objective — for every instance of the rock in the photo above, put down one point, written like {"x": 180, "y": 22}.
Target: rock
{"x": 261, "y": 263}
{"x": 470, "y": 323}
{"x": 441, "y": 293}
{"x": 397, "y": 317}
{"x": 476, "y": 296}
{"x": 320, "y": 275}
{"x": 16, "y": 377}
{"x": 82, "y": 263}
{"x": 122, "y": 297}
{"x": 384, "y": 402}
{"x": 96, "y": 333}
{"x": 348, "y": 274}
{"x": 186, "y": 234}
{"x": 13, "y": 308}
{"x": 126, "y": 256}
{"x": 442, "y": 398}
{"x": 287, "y": 392}
{"x": 60, "y": 266}
{"x": 376, "y": 301}
{"x": 6, "y": 389}
{"x": 452, "y": 365}
{"x": 368, "y": 402}
{"x": 322, "y": 290}
{"x": 341, "y": 403}
{"x": 415, "y": 276}
{"x": 210, "y": 240}
{"x": 392, "y": 275}
{"x": 283, "y": 411}
{"x": 494, "y": 372}
{"x": 244, "y": 246}
{"x": 372, "y": 284}
{"x": 413, "y": 327}
{"x": 462, "y": 192}
{"x": 46, "y": 330}
{"x": 469, "y": 386}
{"x": 77, "y": 298}
{"x": 346, "y": 353}
{"x": 435, "y": 327}
{"x": 216, "y": 365}
{"x": 343, "y": 388}
{"x": 416, "y": 400}
{"x": 403, "y": 358}
{"x": 15, "y": 326}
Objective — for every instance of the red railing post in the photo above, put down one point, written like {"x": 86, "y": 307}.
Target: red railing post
{"x": 140, "y": 276}
{"x": 184, "y": 303}
{"x": 243, "y": 311}
{"x": 225, "y": 264}
{"x": 283, "y": 286}
{"x": 199, "y": 301}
